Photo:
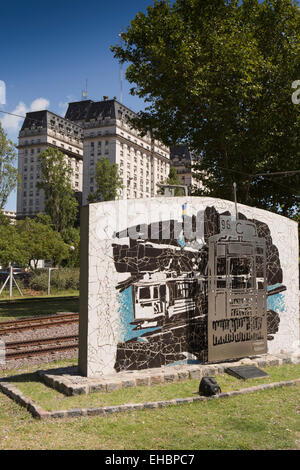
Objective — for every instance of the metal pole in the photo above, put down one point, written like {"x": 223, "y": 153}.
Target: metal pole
{"x": 3, "y": 287}
{"x": 49, "y": 275}
{"x": 10, "y": 280}
{"x": 20, "y": 292}
{"x": 235, "y": 201}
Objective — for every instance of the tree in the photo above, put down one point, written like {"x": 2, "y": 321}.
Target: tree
{"x": 8, "y": 173}
{"x": 174, "y": 180}
{"x": 71, "y": 237}
{"x": 4, "y": 220}
{"x": 108, "y": 182}
{"x": 61, "y": 204}
{"x": 217, "y": 75}
{"x": 12, "y": 246}
{"x": 41, "y": 241}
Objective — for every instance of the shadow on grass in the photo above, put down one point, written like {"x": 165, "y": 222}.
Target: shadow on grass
{"x": 29, "y": 377}
{"x": 29, "y": 308}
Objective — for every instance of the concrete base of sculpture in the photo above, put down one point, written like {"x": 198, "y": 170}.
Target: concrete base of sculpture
{"x": 69, "y": 381}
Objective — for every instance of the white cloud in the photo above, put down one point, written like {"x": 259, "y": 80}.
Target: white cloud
{"x": 39, "y": 104}
{"x": 12, "y": 122}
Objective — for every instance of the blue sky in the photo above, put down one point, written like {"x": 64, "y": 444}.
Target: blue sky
{"x": 49, "y": 49}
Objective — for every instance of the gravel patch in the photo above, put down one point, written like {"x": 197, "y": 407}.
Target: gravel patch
{"x": 41, "y": 333}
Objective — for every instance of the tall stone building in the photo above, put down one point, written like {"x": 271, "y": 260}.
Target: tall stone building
{"x": 42, "y": 129}
{"x": 182, "y": 159}
{"x": 143, "y": 162}
{"x": 90, "y": 131}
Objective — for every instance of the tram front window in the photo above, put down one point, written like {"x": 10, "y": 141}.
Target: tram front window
{"x": 241, "y": 273}
{"x": 145, "y": 293}
{"x": 221, "y": 273}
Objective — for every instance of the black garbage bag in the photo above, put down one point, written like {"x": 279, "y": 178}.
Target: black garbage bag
{"x": 209, "y": 387}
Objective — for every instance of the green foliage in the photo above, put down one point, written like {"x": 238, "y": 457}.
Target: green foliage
{"x": 61, "y": 280}
{"x": 31, "y": 240}
{"x": 44, "y": 219}
{"x": 41, "y": 242}
{"x": 108, "y": 182}
{"x": 4, "y": 220}
{"x": 71, "y": 237}
{"x": 217, "y": 75}
{"x": 61, "y": 205}
{"x": 173, "y": 179}
{"x": 8, "y": 173}
{"x": 12, "y": 246}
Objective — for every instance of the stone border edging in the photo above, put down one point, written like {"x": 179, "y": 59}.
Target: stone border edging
{"x": 16, "y": 395}
{"x": 37, "y": 412}
{"x": 60, "y": 380}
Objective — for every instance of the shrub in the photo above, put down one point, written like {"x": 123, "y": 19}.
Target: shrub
{"x": 61, "y": 279}
{"x": 39, "y": 280}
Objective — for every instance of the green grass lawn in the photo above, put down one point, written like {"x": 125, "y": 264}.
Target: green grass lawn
{"x": 28, "y": 307}
{"x": 262, "y": 420}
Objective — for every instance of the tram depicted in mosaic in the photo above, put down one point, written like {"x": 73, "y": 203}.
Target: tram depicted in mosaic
{"x": 161, "y": 296}
{"x": 237, "y": 291}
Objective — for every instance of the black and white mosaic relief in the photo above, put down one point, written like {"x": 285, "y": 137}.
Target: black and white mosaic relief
{"x": 164, "y": 298}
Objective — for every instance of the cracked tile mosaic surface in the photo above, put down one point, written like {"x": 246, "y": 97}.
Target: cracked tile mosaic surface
{"x": 147, "y": 307}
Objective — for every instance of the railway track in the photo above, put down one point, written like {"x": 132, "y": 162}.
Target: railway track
{"x": 37, "y": 347}
{"x": 16, "y": 326}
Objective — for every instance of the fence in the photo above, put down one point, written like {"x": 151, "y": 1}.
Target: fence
{"x": 39, "y": 282}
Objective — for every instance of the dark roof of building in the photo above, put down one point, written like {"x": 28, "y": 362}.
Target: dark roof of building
{"x": 78, "y": 110}
{"x": 102, "y": 110}
{"x": 181, "y": 152}
{"x": 35, "y": 119}
{"x": 42, "y": 120}
{"x": 87, "y": 110}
